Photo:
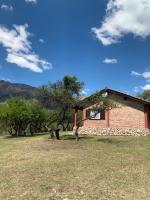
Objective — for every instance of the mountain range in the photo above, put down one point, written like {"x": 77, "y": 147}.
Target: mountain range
{"x": 8, "y": 90}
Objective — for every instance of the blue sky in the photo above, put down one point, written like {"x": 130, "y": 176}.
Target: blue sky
{"x": 102, "y": 42}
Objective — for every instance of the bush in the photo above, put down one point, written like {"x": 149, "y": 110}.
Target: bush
{"x": 39, "y": 118}
{"x": 19, "y": 117}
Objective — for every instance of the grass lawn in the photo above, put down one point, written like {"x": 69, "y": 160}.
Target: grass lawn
{"x": 112, "y": 168}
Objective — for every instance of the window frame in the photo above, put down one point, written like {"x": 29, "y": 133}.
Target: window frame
{"x": 101, "y": 118}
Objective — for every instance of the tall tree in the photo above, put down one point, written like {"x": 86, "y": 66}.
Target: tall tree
{"x": 61, "y": 97}
{"x": 145, "y": 95}
{"x": 72, "y": 84}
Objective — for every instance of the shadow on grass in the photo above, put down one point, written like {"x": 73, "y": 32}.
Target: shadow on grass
{"x": 25, "y": 136}
{"x": 72, "y": 137}
{"x": 112, "y": 141}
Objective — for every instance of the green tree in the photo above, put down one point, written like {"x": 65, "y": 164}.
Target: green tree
{"x": 72, "y": 85}
{"x": 16, "y": 115}
{"x": 61, "y": 97}
{"x": 145, "y": 95}
{"x": 39, "y": 118}
{"x": 19, "y": 116}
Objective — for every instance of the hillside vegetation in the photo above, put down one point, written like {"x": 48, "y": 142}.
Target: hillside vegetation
{"x": 8, "y": 90}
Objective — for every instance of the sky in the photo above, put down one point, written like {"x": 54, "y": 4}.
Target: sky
{"x": 105, "y": 43}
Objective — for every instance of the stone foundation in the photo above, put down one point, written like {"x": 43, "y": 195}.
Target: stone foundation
{"x": 113, "y": 131}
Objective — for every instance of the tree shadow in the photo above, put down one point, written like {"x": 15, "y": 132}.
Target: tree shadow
{"x": 111, "y": 141}
{"x": 72, "y": 137}
{"x": 25, "y": 136}
{"x": 101, "y": 139}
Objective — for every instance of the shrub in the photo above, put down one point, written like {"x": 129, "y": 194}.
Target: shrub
{"x": 19, "y": 116}
{"x": 39, "y": 118}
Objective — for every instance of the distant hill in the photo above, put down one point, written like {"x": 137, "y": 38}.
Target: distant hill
{"x": 8, "y": 90}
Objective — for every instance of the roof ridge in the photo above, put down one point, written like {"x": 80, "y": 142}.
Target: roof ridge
{"x": 105, "y": 89}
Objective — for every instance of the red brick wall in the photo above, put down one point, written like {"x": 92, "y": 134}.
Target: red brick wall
{"x": 127, "y": 117}
{"x": 127, "y": 114}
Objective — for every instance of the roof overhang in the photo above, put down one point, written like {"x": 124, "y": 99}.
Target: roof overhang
{"x": 88, "y": 101}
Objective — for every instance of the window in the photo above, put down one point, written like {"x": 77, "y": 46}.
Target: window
{"x": 105, "y": 94}
{"x": 95, "y": 114}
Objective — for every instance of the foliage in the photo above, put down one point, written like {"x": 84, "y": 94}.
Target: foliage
{"x": 19, "y": 116}
{"x": 39, "y": 118}
{"x": 16, "y": 116}
{"x": 72, "y": 84}
{"x": 145, "y": 95}
{"x": 98, "y": 101}
{"x": 61, "y": 97}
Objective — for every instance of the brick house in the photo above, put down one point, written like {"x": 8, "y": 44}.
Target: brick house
{"x": 130, "y": 117}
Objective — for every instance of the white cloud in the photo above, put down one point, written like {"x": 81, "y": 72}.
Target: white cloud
{"x": 85, "y": 91}
{"x": 110, "y": 61}
{"x": 31, "y": 1}
{"x": 146, "y": 87}
{"x": 124, "y": 17}
{"x": 139, "y": 89}
{"x": 7, "y": 7}
{"x": 19, "y": 49}
{"x": 134, "y": 73}
{"x": 145, "y": 75}
{"x": 30, "y": 61}
{"x": 41, "y": 40}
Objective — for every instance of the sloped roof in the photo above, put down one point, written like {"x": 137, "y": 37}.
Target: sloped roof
{"x": 89, "y": 100}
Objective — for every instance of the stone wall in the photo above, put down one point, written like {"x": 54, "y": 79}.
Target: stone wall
{"x": 113, "y": 131}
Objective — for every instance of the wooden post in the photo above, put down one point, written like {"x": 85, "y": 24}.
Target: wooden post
{"x": 107, "y": 118}
{"x": 83, "y": 117}
{"x": 146, "y": 116}
{"x": 75, "y": 118}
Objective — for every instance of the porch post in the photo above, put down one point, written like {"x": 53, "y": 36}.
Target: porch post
{"x": 83, "y": 116}
{"x": 107, "y": 118}
{"x": 146, "y": 116}
{"x": 75, "y": 118}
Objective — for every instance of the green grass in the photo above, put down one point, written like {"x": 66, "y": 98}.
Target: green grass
{"x": 95, "y": 168}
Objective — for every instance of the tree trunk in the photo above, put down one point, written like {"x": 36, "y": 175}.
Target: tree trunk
{"x": 57, "y": 134}
{"x": 67, "y": 126}
{"x": 51, "y": 133}
{"x": 77, "y": 128}
{"x": 63, "y": 126}
{"x": 76, "y": 133}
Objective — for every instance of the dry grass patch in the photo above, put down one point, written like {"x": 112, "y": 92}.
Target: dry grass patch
{"x": 93, "y": 168}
